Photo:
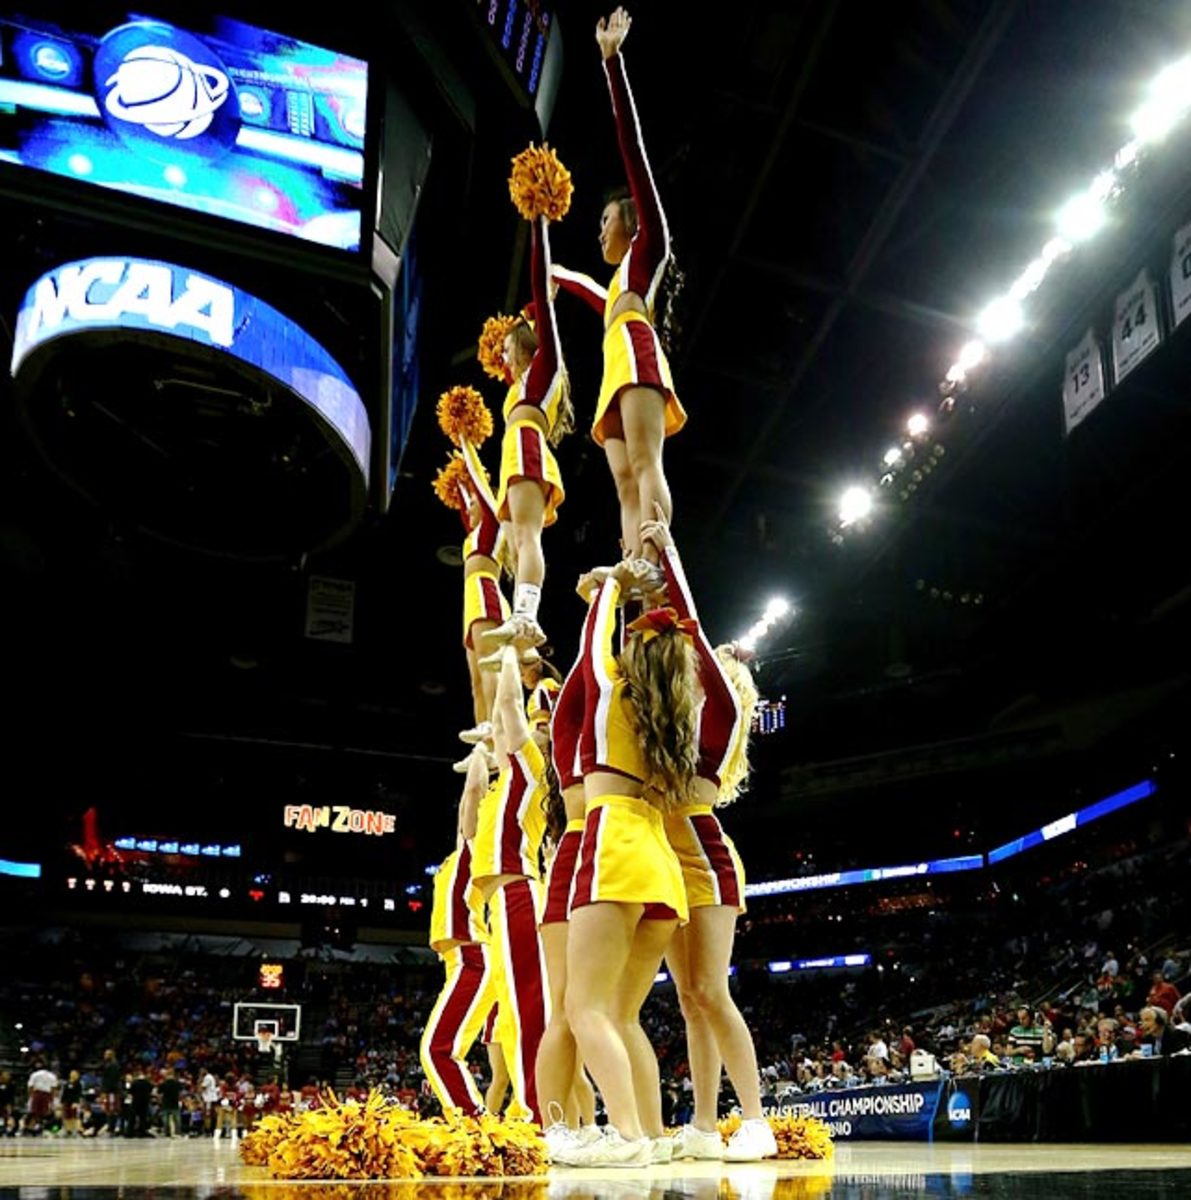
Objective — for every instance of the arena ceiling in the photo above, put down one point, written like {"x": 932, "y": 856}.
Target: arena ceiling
{"x": 846, "y": 185}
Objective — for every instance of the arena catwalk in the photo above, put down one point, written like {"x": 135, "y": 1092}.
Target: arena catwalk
{"x": 50, "y": 1169}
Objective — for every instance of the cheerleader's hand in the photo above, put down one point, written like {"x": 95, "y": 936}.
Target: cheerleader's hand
{"x": 657, "y": 531}
{"x": 610, "y": 34}
{"x": 591, "y": 581}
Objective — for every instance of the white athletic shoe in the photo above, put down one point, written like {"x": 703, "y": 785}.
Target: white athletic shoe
{"x": 612, "y": 1150}
{"x": 561, "y": 1143}
{"x": 519, "y": 629}
{"x": 663, "y": 1149}
{"x": 587, "y": 1134}
{"x": 752, "y": 1142}
{"x": 690, "y": 1142}
{"x": 477, "y": 733}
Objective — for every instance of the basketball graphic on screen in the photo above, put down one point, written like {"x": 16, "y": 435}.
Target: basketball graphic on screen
{"x": 165, "y": 93}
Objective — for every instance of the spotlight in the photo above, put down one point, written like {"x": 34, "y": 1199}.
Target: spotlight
{"x": 892, "y": 456}
{"x": 972, "y": 355}
{"x": 1081, "y": 217}
{"x": 777, "y": 608}
{"x": 917, "y": 425}
{"x": 855, "y": 504}
{"x": 1001, "y": 319}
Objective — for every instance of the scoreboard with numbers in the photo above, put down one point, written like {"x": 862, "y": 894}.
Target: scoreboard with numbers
{"x": 769, "y": 716}
{"x": 520, "y": 29}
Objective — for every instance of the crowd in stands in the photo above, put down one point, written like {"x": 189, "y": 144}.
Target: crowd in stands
{"x": 1073, "y": 965}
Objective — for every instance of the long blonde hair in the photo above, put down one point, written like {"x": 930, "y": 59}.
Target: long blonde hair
{"x": 734, "y": 777}
{"x": 662, "y": 681}
{"x": 564, "y": 422}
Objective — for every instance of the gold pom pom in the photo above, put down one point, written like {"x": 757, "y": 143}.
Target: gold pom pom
{"x": 797, "y": 1137}
{"x": 728, "y": 1125}
{"x": 802, "y": 1137}
{"x": 491, "y": 352}
{"x": 462, "y": 413}
{"x": 347, "y": 1141}
{"x": 382, "y": 1140}
{"x": 540, "y": 185}
{"x": 270, "y": 1131}
{"x": 447, "y": 483}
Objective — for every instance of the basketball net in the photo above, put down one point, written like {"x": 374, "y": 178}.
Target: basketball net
{"x": 264, "y": 1042}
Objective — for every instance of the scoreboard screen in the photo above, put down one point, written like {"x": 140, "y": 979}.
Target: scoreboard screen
{"x": 217, "y": 116}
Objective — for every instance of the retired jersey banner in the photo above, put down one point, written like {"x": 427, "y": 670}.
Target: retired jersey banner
{"x": 905, "y": 1111}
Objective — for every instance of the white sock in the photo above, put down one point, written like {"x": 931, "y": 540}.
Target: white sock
{"x": 526, "y": 598}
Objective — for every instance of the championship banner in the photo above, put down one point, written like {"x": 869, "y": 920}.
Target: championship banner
{"x": 1135, "y": 330}
{"x": 1083, "y": 380}
{"x": 1180, "y": 275}
{"x": 905, "y": 1112}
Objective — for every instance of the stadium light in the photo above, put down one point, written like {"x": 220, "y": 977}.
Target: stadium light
{"x": 855, "y": 504}
{"x": 1001, "y": 319}
{"x": 917, "y": 425}
{"x": 1081, "y": 217}
{"x": 1167, "y": 101}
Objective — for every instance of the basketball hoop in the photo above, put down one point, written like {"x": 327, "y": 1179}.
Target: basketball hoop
{"x": 264, "y": 1041}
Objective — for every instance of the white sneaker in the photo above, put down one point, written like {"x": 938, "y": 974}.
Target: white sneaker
{"x": 752, "y": 1142}
{"x": 612, "y": 1150}
{"x": 588, "y": 1134}
{"x": 519, "y": 629}
{"x": 561, "y": 1143}
{"x": 477, "y": 733}
{"x": 663, "y": 1149}
{"x": 690, "y": 1142}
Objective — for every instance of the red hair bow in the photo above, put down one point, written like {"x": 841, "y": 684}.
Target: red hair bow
{"x": 662, "y": 620}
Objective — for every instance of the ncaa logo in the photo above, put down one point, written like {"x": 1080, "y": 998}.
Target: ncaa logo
{"x": 959, "y": 1110}
{"x": 162, "y": 91}
{"x": 165, "y": 92}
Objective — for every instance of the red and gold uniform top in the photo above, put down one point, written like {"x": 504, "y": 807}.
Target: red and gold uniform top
{"x": 511, "y": 821}
{"x": 721, "y": 719}
{"x": 608, "y": 740}
{"x": 642, "y": 268}
{"x": 454, "y": 917}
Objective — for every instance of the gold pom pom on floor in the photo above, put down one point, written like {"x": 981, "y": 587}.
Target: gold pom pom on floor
{"x": 797, "y": 1137}
{"x": 462, "y": 413}
{"x": 381, "y": 1140}
{"x": 540, "y": 186}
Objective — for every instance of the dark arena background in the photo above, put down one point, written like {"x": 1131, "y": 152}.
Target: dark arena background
{"x": 932, "y": 344}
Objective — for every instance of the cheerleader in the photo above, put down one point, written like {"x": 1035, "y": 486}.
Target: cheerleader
{"x": 637, "y": 752}
{"x": 564, "y": 1092}
{"x": 700, "y": 954}
{"x": 537, "y": 415}
{"x": 463, "y": 485}
{"x": 485, "y": 553}
{"x": 458, "y": 937}
{"x": 637, "y": 408}
{"x": 510, "y": 827}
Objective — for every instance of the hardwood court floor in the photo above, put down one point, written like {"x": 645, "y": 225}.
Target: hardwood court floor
{"x": 53, "y": 1169}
